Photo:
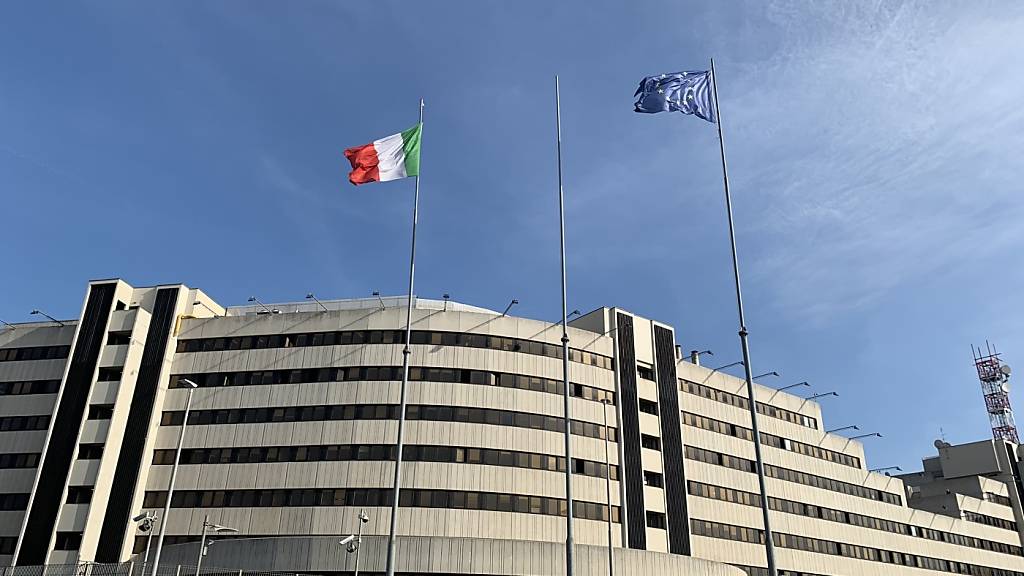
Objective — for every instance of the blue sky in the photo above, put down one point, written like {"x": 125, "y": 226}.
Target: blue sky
{"x": 874, "y": 152}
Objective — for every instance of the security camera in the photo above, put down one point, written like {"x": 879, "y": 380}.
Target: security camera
{"x": 363, "y": 517}
{"x": 347, "y": 539}
{"x": 141, "y": 517}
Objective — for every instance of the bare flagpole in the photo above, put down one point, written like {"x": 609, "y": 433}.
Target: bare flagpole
{"x": 405, "y": 379}
{"x": 569, "y": 542}
{"x": 769, "y": 545}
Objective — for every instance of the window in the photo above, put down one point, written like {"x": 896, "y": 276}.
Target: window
{"x": 101, "y": 411}
{"x": 651, "y": 442}
{"x": 34, "y": 353}
{"x": 392, "y": 373}
{"x": 79, "y": 494}
{"x": 645, "y": 373}
{"x": 741, "y": 402}
{"x": 653, "y": 479}
{"x": 648, "y": 406}
{"x": 68, "y": 541}
{"x": 19, "y": 460}
{"x": 119, "y": 338}
{"x": 19, "y": 423}
{"x": 770, "y": 440}
{"x": 386, "y": 412}
{"x": 794, "y": 476}
{"x": 421, "y": 337}
{"x": 90, "y": 451}
{"x": 379, "y": 497}
{"x": 109, "y": 375}
{"x": 13, "y": 501}
{"x": 656, "y": 520}
{"x": 29, "y": 387}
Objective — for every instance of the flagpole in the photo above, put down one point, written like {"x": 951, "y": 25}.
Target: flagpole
{"x": 751, "y": 401}
{"x": 405, "y": 379}
{"x": 569, "y": 542}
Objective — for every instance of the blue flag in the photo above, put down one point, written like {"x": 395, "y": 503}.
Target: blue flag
{"x": 686, "y": 92}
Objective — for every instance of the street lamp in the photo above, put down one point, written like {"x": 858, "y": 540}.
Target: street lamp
{"x": 772, "y": 373}
{"x": 354, "y": 540}
{"x": 886, "y": 469}
{"x": 41, "y": 313}
{"x": 873, "y": 434}
{"x": 174, "y": 472}
{"x": 834, "y": 430}
{"x": 822, "y": 395}
{"x": 509, "y": 307}
{"x": 217, "y": 529}
{"x": 804, "y": 383}
{"x": 727, "y": 366}
{"x": 379, "y": 299}
{"x": 146, "y": 522}
{"x": 310, "y": 296}
{"x": 605, "y": 402}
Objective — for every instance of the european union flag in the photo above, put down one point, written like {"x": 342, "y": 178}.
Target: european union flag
{"x": 686, "y": 92}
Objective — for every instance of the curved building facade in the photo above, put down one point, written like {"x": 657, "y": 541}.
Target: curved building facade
{"x": 292, "y": 432}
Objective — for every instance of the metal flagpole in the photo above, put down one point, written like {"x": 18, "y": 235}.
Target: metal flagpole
{"x": 769, "y": 545}
{"x": 569, "y": 543}
{"x": 405, "y": 379}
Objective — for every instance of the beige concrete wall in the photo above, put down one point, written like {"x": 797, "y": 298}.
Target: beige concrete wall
{"x": 749, "y": 516}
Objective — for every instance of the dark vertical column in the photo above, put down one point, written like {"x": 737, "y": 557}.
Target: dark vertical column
{"x": 632, "y": 468}
{"x": 67, "y": 422}
{"x": 137, "y": 429}
{"x": 671, "y": 442}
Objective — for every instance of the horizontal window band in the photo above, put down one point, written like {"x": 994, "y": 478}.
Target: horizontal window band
{"x": 343, "y": 412}
{"x": 736, "y": 431}
{"x": 832, "y": 548}
{"x": 34, "y": 353}
{"x": 13, "y": 501}
{"x": 787, "y": 475}
{"x": 391, "y": 373}
{"x": 360, "y": 337}
{"x": 713, "y": 492}
{"x": 23, "y": 387}
{"x": 382, "y": 453}
{"x": 19, "y": 460}
{"x": 741, "y": 402}
{"x": 410, "y": 498}
{"x": 24, "y": 423}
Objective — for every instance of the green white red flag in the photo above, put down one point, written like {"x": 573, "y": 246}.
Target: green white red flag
{"x": 391, "y": 158}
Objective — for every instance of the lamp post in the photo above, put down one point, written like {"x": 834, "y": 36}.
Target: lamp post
{"x": 822, "y": 395}
{"x": 146, "y": 522}
{"x": 41, "y": 313}
{"x": 608, "y": 486}
{"x": 886, "y": 470}
{"x": 804, "y": 383}
{"x": 217, "y": 528}
{"x": 509, "y": 307}
{"x": 355, "y": 540}
{"x": 174, "y": 472}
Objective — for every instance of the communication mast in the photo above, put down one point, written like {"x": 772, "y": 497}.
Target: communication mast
{"x": 994, "y": 375}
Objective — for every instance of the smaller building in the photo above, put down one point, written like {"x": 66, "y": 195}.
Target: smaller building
{"x": 978, "y": 482}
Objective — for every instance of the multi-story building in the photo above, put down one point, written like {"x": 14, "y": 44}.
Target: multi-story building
{"x": 292, "y": 433}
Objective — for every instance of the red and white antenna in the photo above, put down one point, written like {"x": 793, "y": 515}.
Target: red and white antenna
{"x": 994, "y": 375}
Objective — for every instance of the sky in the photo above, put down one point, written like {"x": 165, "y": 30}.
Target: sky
{"x": 874, "y": 155}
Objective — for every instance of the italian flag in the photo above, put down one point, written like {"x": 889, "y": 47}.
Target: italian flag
{"x": 391, "y": 158}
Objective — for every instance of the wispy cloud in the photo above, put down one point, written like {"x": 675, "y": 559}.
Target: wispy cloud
{"x": 874, "y": 145}
{"x": 888, "y": 156}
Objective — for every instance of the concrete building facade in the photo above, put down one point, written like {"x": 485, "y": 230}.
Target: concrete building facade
{"x": 292, "y": 430}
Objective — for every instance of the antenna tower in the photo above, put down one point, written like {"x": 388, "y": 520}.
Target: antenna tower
{"x": 994, "y": 375}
